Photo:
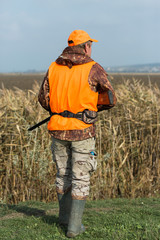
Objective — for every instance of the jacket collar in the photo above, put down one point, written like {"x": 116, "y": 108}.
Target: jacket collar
{"x": 73, "y": 56}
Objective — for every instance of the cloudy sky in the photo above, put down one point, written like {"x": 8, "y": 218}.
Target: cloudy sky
{"x": 34, "y": 32}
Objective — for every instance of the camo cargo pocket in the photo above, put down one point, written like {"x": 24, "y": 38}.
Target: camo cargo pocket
{"x": 93, "y": 161}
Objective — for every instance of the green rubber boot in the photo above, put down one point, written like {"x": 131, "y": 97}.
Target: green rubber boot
{"x": 75, "y": 226}
{"x": 65, "y": 201}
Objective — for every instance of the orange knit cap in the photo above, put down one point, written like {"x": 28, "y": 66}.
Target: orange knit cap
{"x": 78, "y": 37}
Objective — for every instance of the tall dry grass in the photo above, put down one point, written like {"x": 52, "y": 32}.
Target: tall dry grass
{"x": 128, "y": 146}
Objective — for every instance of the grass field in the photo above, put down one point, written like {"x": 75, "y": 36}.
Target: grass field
{"x": 118, "y": 219}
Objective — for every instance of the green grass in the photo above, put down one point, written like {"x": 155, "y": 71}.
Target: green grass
{"x": 118, "y": 219}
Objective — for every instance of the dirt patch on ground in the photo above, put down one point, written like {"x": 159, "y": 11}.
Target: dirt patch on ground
{"x": 22, "y": 81}
{"x": 50, "y": 212}
{"x": 12, "y": 215}
{"x": 25, "y": 81}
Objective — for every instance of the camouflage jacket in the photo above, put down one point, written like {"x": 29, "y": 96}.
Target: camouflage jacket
{"x": 98, "y": 82}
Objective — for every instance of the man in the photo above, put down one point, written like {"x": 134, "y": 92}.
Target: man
{"x": 74, "y": 89}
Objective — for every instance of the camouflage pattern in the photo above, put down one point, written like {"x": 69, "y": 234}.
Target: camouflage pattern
{"x": 43, "y": 96}
{"x": 98, "y": 82}
{"x": 75, "y": 161}
{"x": 72, "y": 56}
{"x": 74, "y": 135}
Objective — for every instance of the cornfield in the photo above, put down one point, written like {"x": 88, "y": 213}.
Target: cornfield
{"x": 128, "y": 146}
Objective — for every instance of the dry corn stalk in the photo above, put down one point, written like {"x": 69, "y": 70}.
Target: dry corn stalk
{"x": 128, "y": 142}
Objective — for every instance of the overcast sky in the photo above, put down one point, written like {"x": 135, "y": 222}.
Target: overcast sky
{"x": 33, "y": 33}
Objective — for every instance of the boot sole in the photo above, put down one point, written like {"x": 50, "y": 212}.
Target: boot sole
{"x": 72, "y": 234}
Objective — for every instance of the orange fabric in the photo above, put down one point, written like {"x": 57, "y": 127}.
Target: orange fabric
{"x": 79, "y": 36}
{"x": 70, "y": 90}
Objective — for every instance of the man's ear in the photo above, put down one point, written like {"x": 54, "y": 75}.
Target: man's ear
{"x": 87, "y": 46}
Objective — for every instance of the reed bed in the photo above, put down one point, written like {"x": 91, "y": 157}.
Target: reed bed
{"x": 128, "y": 146}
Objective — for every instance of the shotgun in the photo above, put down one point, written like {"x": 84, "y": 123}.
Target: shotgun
{"x": 39, "y": 124}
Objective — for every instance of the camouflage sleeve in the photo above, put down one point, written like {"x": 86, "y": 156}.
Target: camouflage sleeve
{"x": 99, "y": 82}
{"x": 43, "y": 96}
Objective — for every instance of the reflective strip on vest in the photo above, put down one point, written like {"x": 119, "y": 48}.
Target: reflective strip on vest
{"x": 70, "y": 90}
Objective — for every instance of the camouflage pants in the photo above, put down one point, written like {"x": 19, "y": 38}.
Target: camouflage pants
{"x": 75, "y": 160}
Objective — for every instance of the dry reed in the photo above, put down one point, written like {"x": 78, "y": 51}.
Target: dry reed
{"x": 128, "y": 146}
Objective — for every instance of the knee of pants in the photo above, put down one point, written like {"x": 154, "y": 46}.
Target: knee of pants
{"x": 83, "y": 165}
{"x": 81, "y": 171}
{"x": 80, "y": 180}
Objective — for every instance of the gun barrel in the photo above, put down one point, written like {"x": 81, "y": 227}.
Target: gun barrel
{"x": 39, "y": 124}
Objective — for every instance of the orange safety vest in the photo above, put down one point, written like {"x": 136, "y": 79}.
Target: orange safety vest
{"x": 70, "y": 90}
